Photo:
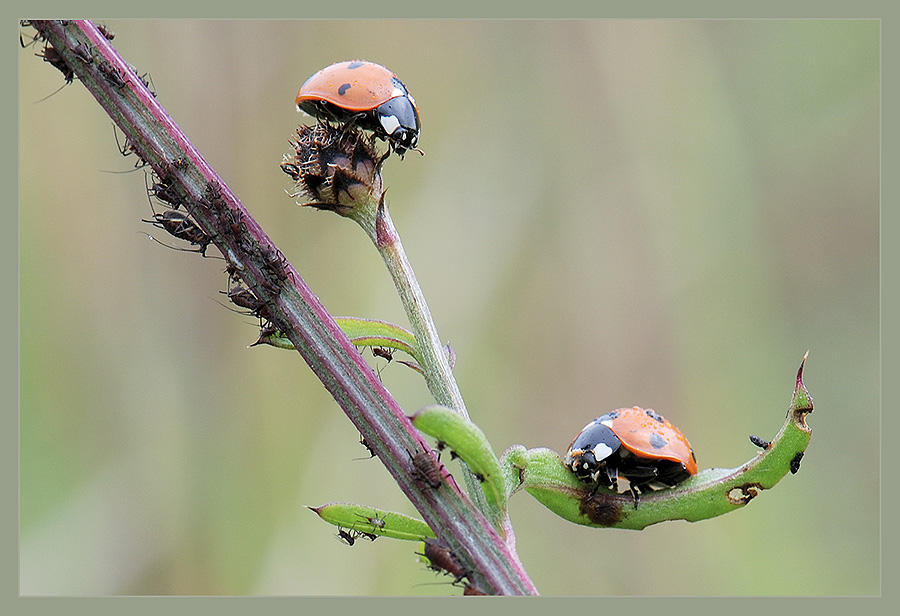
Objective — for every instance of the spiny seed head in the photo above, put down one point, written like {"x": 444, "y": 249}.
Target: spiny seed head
{"x": 335, "y": 168}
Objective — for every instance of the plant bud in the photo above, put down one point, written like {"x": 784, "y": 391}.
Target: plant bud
{"x": 335, "y": 169}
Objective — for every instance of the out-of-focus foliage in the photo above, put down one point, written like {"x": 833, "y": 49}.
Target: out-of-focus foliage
{"x": 609, "y": 213}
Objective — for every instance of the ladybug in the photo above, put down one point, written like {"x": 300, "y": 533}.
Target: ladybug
{"x": 638, "y": 444}
{"x": 365, "y": 94}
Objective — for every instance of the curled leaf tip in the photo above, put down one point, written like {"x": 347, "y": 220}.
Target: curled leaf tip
{"x": 801, "y": 402}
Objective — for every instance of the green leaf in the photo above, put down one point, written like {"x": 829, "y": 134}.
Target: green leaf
{"x": 468, "y": 442}
{"x": 370, "y": 332}
{"x": 362, "y": 333}
{"x": 373, "y": 521}
{"x": 709, "y": 493}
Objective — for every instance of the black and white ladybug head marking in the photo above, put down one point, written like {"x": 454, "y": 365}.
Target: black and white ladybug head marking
{"x": 399, "y": 119}
{"x": 593, "y": 445}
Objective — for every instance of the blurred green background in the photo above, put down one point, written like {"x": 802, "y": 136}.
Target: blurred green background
{"x": 609, "y": 213}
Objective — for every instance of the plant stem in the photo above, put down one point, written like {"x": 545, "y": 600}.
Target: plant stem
{"x": 296, "y": 310}
{"x": 438, "y": 374}
{"x": 380, "y": 228}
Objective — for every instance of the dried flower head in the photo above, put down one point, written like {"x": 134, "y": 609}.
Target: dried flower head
{"x": 335, "y": 169}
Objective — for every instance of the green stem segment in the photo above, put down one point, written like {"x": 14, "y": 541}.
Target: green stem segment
{"x": 438, "y": 374}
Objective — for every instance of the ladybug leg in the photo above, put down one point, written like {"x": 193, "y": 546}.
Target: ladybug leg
{"x": 639, "y": 476}
{"x": 352, "y": 120}
{"x": 635, "y": 494}
{"x": 607, "y": 476}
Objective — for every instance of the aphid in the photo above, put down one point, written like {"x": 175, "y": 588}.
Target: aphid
{"x": 228, "y": 220}
{"x": 795, "y": 462}
{"x": 375, "y": 522}
{"x": 232, "y": 269}
{"x": 347, "y": 536}
{"x": 180, "y": 226}
{"x": 213, "y": 191}
{"x": 275, "y": 263}
{"x": 441, "y": 559}
{"x": 245, "y": 298}
{"x": 112, "y": 75}
{"x": 106, "y": 32}
{"x": 81, "y": 52}
{"x": 51, "y": 55}
{"x": 426, "y": 469}
{"x": 760, "y": 442}
{"x": 164, "y": 190}
{"x": 365, "y": 443}
{"x": 384, "y": 353}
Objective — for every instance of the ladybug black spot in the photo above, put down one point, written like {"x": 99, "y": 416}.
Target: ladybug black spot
{"x": 654, "y": 415}
{"x": 343, "y": 89}
{"x": 657, "y": 441}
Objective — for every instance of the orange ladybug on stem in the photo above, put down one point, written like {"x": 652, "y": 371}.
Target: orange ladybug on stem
{"x": 367, "y": 95}
{"x": 637, "y": 444}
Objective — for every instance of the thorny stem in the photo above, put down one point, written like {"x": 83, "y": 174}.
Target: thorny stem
{"x": 295, "y": 309}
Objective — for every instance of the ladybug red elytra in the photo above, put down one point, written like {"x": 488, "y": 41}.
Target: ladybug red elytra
{"x": 637, "y": 444}
{"x": 366, "y": 94}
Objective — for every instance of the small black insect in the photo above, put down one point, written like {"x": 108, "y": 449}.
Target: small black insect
{"x": 795, "y": 462}
{"x": 347, "y": 536}
{"x": 760, "y": 442}
{"x": 365, "y": 443}
{"x": 384, "y": 353}
{"x": 441, "y": 446}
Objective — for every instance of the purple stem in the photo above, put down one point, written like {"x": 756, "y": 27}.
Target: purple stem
{"x": 254, "y": 258}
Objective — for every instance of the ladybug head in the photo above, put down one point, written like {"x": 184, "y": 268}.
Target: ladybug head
{"x": 585, "y": 465}
{"x": 399, "y": 120}
{"x": 588, "y": 453}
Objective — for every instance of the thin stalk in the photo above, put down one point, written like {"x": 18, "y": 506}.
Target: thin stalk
{"x": 438, "y": 374}
{"x": 380, "y": 228}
